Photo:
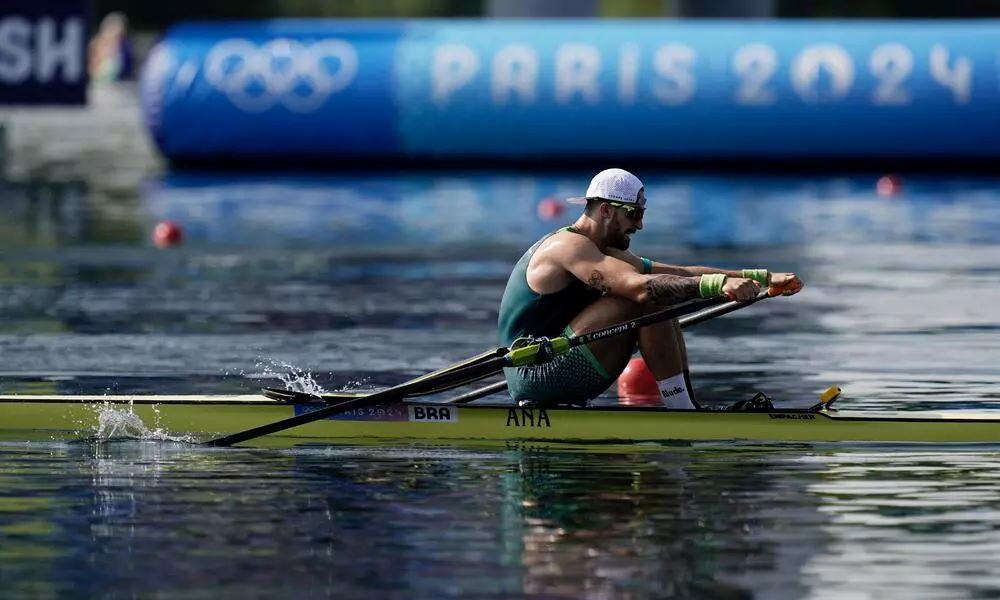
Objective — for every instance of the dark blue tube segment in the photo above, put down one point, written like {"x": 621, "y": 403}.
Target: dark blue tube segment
{"x": 576, "y": 89}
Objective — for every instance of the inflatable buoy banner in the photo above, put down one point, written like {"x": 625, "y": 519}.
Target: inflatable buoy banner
{"x": 296, "y": 88}
{"x": 514, "y": 89}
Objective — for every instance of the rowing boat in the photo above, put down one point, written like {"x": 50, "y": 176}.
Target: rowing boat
{"x": 201, "y": 417}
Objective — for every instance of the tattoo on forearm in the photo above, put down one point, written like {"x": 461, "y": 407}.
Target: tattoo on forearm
{"x": 666, "y": 289}
{"x": 596, "y": 281}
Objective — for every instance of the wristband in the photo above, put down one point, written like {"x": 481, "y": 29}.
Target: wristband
{"x": 761, "y": 276}
{"x": 710, "y": 285}
{"x": 647, "y": 265}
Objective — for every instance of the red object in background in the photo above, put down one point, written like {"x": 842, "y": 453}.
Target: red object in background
{"x": 637, "y": 386}
{"x": 550, "y": 208}
{"x": 889, "y": 185}
{"x": 167, "y": 233}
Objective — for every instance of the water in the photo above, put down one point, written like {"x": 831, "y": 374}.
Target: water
{"x": 371, "y": 278}
{"x": 143, "y": 518}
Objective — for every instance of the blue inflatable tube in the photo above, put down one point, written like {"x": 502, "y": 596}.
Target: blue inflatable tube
{"x": 575, "y": 89}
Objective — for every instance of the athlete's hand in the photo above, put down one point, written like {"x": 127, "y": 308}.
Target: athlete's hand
{"x": 785, "y": 284}
{"x": 738, "y": 288}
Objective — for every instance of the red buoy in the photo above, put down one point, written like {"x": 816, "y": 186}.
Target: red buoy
{"x": 888, "y": 186}
{"x": 166, "y": 234}
{"x": 637, "y": 386}
{"x": 550, "y": 208}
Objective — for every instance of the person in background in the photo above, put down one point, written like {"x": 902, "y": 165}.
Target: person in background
{"x": 109, "y": 55}
{"x": 583, "y": 277}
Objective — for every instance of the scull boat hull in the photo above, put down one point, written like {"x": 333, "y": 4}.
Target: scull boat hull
{"x": 203, "y": 417}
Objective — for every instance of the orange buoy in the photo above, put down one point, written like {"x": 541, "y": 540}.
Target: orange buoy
{"x": 166, "y": 234}
{"x": 637, "y": 386}
{"x": 550, "y": 208}
{"x": 888, "y": 186}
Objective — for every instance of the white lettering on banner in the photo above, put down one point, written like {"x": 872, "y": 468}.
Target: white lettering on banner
{"x": 891, "y": 64}
{"x": 15, "y": 50}
{"x": 515, "y": 72}
{"x": 577, "y": 67}
{"x": 754, "y": 65}
{"x": 628, "y": 73}
{"x": 673, "y": 62}
{"x": 19, "y": 58}
{"x": 53, "y": 53}
{"x": 819, "y": 73}
{"x": 453, "y": 67}
{"x": 812, "y": 62}
{"x": 958, "y": 79}
{"x": 301, "y": 77}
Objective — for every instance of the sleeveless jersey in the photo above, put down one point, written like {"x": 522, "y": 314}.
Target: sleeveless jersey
{"x": 524, "y": 311}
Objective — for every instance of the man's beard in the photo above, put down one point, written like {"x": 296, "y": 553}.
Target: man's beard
{"x": 619, "y": 241}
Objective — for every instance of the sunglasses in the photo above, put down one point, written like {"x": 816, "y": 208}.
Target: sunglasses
{"x": 634, "y": 211}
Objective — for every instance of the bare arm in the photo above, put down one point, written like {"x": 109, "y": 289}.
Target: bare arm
{"x": 665, "y": 269}
{"x": 616, "y": 275}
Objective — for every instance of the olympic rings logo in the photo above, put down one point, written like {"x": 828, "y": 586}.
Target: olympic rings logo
{"x": 298, "y": 76}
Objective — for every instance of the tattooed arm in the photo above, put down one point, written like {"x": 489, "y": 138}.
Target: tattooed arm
{"x": 785, "y": 283}
{"x": 669, "y": 289}
{"x": 573, "y": 256}
{"x": 665, "y": 269}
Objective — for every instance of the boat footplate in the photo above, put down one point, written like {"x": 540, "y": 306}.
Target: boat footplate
{"x": 759, "y": 403}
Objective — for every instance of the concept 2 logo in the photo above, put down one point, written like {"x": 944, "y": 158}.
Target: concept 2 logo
{"x": 299, "y": 76}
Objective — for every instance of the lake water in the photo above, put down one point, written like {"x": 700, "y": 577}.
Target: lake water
{"x": 371, "y": 278}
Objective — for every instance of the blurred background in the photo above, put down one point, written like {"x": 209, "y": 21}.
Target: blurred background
{"x": 214, "y": 193}
{"x": 212, "y": 196}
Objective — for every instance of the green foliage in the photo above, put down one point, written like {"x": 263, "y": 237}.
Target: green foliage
{"x": 380, "y": 8}
{"x": 159, "y": 15}
{"x": 144, "y": 14}
{"x": 634, "y": 8}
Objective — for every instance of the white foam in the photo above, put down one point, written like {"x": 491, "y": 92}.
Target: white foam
{"x": 115, "y": 423}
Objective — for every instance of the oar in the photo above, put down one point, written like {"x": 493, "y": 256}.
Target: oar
{"x": 722, "y": 309}
{"x": 338, "y": 397}
{"x": 533, "y": 353}
{"x": 684, "y": 322}
{"x": 482, "y": 392}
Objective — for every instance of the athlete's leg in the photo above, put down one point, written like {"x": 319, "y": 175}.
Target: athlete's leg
{"x": 662, "y": 346}
{"x": 663, "y": 349}
{"x": 613, "y": 352}
{"x": 584, "y": 372}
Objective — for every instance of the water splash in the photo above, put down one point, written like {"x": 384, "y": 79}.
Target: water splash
{"x": 116, "y": 423}
{"x": 293, "y": 378}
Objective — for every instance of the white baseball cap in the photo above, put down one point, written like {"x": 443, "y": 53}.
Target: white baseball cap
{"x": 617, "y": 185}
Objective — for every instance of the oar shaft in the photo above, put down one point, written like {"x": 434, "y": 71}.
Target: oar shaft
{"x": 470, "y": 373}
{"x": 718, "y": 311}
{"x": 489, "y": 390}
{"x": 661, "y": 315}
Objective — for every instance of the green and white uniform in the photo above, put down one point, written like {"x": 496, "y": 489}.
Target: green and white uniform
{"x": 572, "y": 377}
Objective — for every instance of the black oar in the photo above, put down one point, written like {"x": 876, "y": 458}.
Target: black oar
{"x": 493, "y": 388}
{"x": 532, "y": 353}
{"x": 684, "y": 322}
{"x": 718, "y": 311}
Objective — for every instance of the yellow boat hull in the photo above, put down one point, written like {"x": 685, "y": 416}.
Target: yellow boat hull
{"x": 204, "y": 417}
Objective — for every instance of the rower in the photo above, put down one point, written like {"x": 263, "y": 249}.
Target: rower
{"x": 582, "y": 277}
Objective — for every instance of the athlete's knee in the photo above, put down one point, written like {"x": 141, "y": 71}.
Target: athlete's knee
{"x": 625, "y": 307}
